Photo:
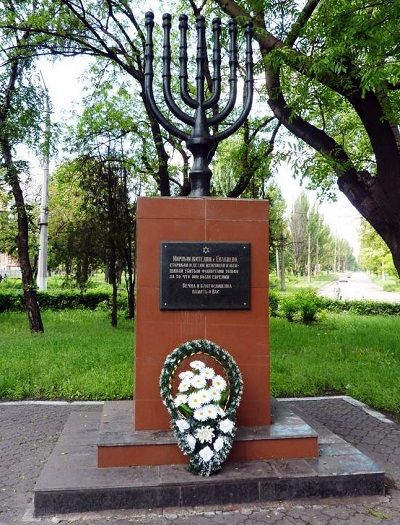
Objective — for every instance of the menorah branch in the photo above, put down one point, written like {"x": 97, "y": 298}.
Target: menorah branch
{"x": 200, "y": 142}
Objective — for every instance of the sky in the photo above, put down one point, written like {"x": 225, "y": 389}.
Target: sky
{"x": 64, "y": 80}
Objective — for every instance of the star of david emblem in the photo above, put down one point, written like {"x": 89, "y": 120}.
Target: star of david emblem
{"x": 206, "y": 249}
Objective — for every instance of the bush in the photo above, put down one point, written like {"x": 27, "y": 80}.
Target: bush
{"x": 360, "y": 307}
{"x": 390, "y": 287}
{"x": 304, "y": 306}
{"x": 273, "y": 303}
{"x": 54, "y": 300}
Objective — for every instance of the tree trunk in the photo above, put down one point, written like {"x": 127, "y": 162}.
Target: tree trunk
{"x": 28, "y": 283}
{"x": 112, "y": 227}
{"x": 162, "y": 175}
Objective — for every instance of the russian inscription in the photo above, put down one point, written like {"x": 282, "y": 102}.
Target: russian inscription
{"x": 205, "y": 276}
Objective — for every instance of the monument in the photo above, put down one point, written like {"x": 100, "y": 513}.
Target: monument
{"x": 202, "y": 266}
{"x": 202, "y": 283}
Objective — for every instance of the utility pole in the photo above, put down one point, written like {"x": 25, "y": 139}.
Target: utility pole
{"x": 335, "y": 258}
{"x": 277, "y": 262}
{"x": 44, "y": 206}
{"x": 309, "y": 259}
{"x": 282, "y": 264}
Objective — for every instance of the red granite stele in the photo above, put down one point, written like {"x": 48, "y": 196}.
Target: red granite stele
{"x": 243, "y": 333}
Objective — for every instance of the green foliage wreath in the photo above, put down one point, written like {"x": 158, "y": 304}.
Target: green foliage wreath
{"x": 204, "y": 431}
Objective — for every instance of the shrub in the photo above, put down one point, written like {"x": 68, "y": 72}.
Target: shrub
{"x": 54, "y": 300}
{"x": 273, "y": 303}
{"x": 304, "y": 306}
{"x": 360, "y": 307}
{"x": 390, "y": 287}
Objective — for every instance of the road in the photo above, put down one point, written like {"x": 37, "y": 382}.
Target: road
{"x": 357, "y": 286}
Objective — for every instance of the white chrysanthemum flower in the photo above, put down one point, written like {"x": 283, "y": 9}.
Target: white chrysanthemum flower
{"x": 180, "y": 399}
{"x": 191, "y": 441}
{"x": 211, "y": 411}
{"x": 197, "y": 365}
{"x": 215, "y": 394}
{"x": 205, "y": 396}
{"x": 200, "y": 414}
{"x": 198, "y": 381}
{"x": 207, "y": 372}
{"x": 184, "y": 385}
{"x": 206, "y": 454}
{"x": 182, "y": 424}
{"x": 218, "y": 444}
{"x": 226, "y": 425}
{"x": 195, "y": 400}
{"x": 186, "y": 375}
{"x": 204, "y": 434}
{"x": 219, "y": 383}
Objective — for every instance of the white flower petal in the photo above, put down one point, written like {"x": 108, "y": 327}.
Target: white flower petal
{"x": 200, "y": 414}
{"x": 195, "y": 400}
{"x": 226, "y": 425}
{"x": 197, "y": 365}
{"x": 218, "y": 444}
{"x": 191, "y": 441}
{"x": 186, "y": 375}
{"x": 198, "y": 381}
{"x": 211, "y": 411}
{"x": 206, "y": 454}
{"x": 182, "y": 424}
{"x": 184, "y": 385}
{"x": 219, "y": 383}
{"x": 207, "y": 372}
{"x": 204, "y": 434}
{"x": 180, "y": 399}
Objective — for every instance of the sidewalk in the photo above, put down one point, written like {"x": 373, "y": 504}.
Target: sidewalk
{"x": 28, "y": 433}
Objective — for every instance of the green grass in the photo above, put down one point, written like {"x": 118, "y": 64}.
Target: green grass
{"x": 344, "y": 354}
{"x": 389, "y": 284}
{"x": 80, "y": 356}
{"x": 58, "y": 282}
{"x": 293, "y": 284}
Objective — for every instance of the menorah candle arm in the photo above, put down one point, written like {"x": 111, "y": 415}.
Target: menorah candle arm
{"x": 148, "y": 81}
{"x": 173, "y": 107}
{"x": 248, "y": 89}
{"x": 216, "y": 81}
{"x": 183, "y": 60}
{"x": 219, "y": 117}
{"x": 201, "y": 58}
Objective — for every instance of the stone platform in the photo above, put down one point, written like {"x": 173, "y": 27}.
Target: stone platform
{"x": 72, "y": 482}
{"x": 120, "y": 445}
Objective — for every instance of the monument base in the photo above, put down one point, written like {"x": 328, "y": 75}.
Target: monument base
{"x": 71, "y": 481}
{"x": 120, "y": 445}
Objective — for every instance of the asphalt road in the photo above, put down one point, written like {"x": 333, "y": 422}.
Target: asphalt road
{"x": 357, "y": 285}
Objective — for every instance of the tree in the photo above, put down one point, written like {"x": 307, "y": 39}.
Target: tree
{"x": 20, "y": 119}
{"x": 107, "y": 30}
{"x": 333, "y": 80}
{"x": 298, "y": 224}
{"x": 374, "y": 254}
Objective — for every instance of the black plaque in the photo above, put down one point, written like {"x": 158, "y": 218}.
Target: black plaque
{"x": 205, "y": 276}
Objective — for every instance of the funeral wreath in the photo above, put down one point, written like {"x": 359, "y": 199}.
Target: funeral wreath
{"x": 203, "y": 408}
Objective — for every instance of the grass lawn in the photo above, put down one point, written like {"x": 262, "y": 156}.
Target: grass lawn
{"x": 344, "y": 354}
{"x": 80, "y": 356}
{"x": 293, "y": 284}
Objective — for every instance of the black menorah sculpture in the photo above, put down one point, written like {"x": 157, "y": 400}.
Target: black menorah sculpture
{"x": 200, "y": 142}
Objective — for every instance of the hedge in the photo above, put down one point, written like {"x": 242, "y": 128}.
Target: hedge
{"x": 59, "y": 300}
{"x": 278, "y": 301}
{"x": 361, "y": 307}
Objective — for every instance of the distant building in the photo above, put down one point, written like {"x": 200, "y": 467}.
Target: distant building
{"x": 9, "y": 266}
